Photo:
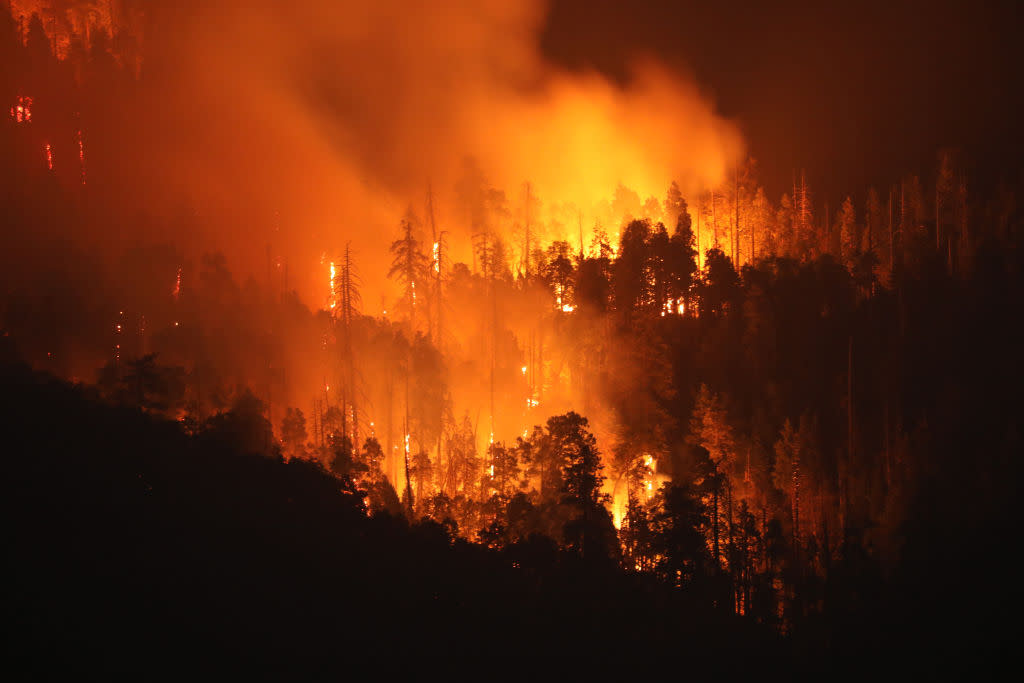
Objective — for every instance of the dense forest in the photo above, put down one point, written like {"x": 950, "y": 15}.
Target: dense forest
{"x": 688, "y": 429}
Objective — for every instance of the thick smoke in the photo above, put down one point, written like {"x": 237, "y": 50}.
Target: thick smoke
{"x": 312, "y": 123}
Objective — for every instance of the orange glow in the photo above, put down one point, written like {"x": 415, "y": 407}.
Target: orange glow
{"x": 118, "y": 331}
{"x": 575, "y": 137}
{"x": 673, "y": 307}
{"x": 21, "y": 112}
{"x": 63, "y": 21}
{"x": 333, "y": 297}
{"x": 582, "y": 145}
{"x": 81, "y": 154}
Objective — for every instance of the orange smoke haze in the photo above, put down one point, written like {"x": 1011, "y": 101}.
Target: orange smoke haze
{"x": 314, "y": 123}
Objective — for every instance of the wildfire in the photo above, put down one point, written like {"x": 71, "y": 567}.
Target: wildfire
{"x": 81, "y": 154}
{"x": 21, "y": 112}
{"x": 333, "y": 286}
{"x": 62, "y": 21}
{"x": 118, "y": 331}
{"x": 491, "y": 443}
{"x": 673, "y": 307}
{"x": 49, "y": 156}
{"x": 649, "y": 465}
{"x": 177, "y": 285}
{"x": 437, "y": 257}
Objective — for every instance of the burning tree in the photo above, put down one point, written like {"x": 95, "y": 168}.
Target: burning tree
{"x": 409, "y": 265}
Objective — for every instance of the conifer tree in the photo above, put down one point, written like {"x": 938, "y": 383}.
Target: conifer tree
{"x": 848, "y": 238}
{"x": 409, "y": 264}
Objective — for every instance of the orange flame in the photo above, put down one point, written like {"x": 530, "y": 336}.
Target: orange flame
{"x": 81, "y": 154}
{"x": 21, "y": 112}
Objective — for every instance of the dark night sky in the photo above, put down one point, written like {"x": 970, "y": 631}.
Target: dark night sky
{"x": 856, "y": 94}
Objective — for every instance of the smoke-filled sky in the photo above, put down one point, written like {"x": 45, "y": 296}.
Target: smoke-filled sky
{"x": 311, "y": 123}
{"x": 336, "y": 116}
{"x": 858, "y": 93}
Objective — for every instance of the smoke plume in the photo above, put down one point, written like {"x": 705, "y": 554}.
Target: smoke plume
{"x": 333, "y": 118}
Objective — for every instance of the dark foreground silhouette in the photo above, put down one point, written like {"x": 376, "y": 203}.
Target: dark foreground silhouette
{"x": 138, "y": 549}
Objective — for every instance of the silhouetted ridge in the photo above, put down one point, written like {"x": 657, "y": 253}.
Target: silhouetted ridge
{"x": 139, "y": 549}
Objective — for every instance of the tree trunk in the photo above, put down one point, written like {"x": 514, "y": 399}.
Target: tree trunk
{"x": 736, "y": 225}
{"x": 714, "y": 527}
{"x": 714, "y": 219}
